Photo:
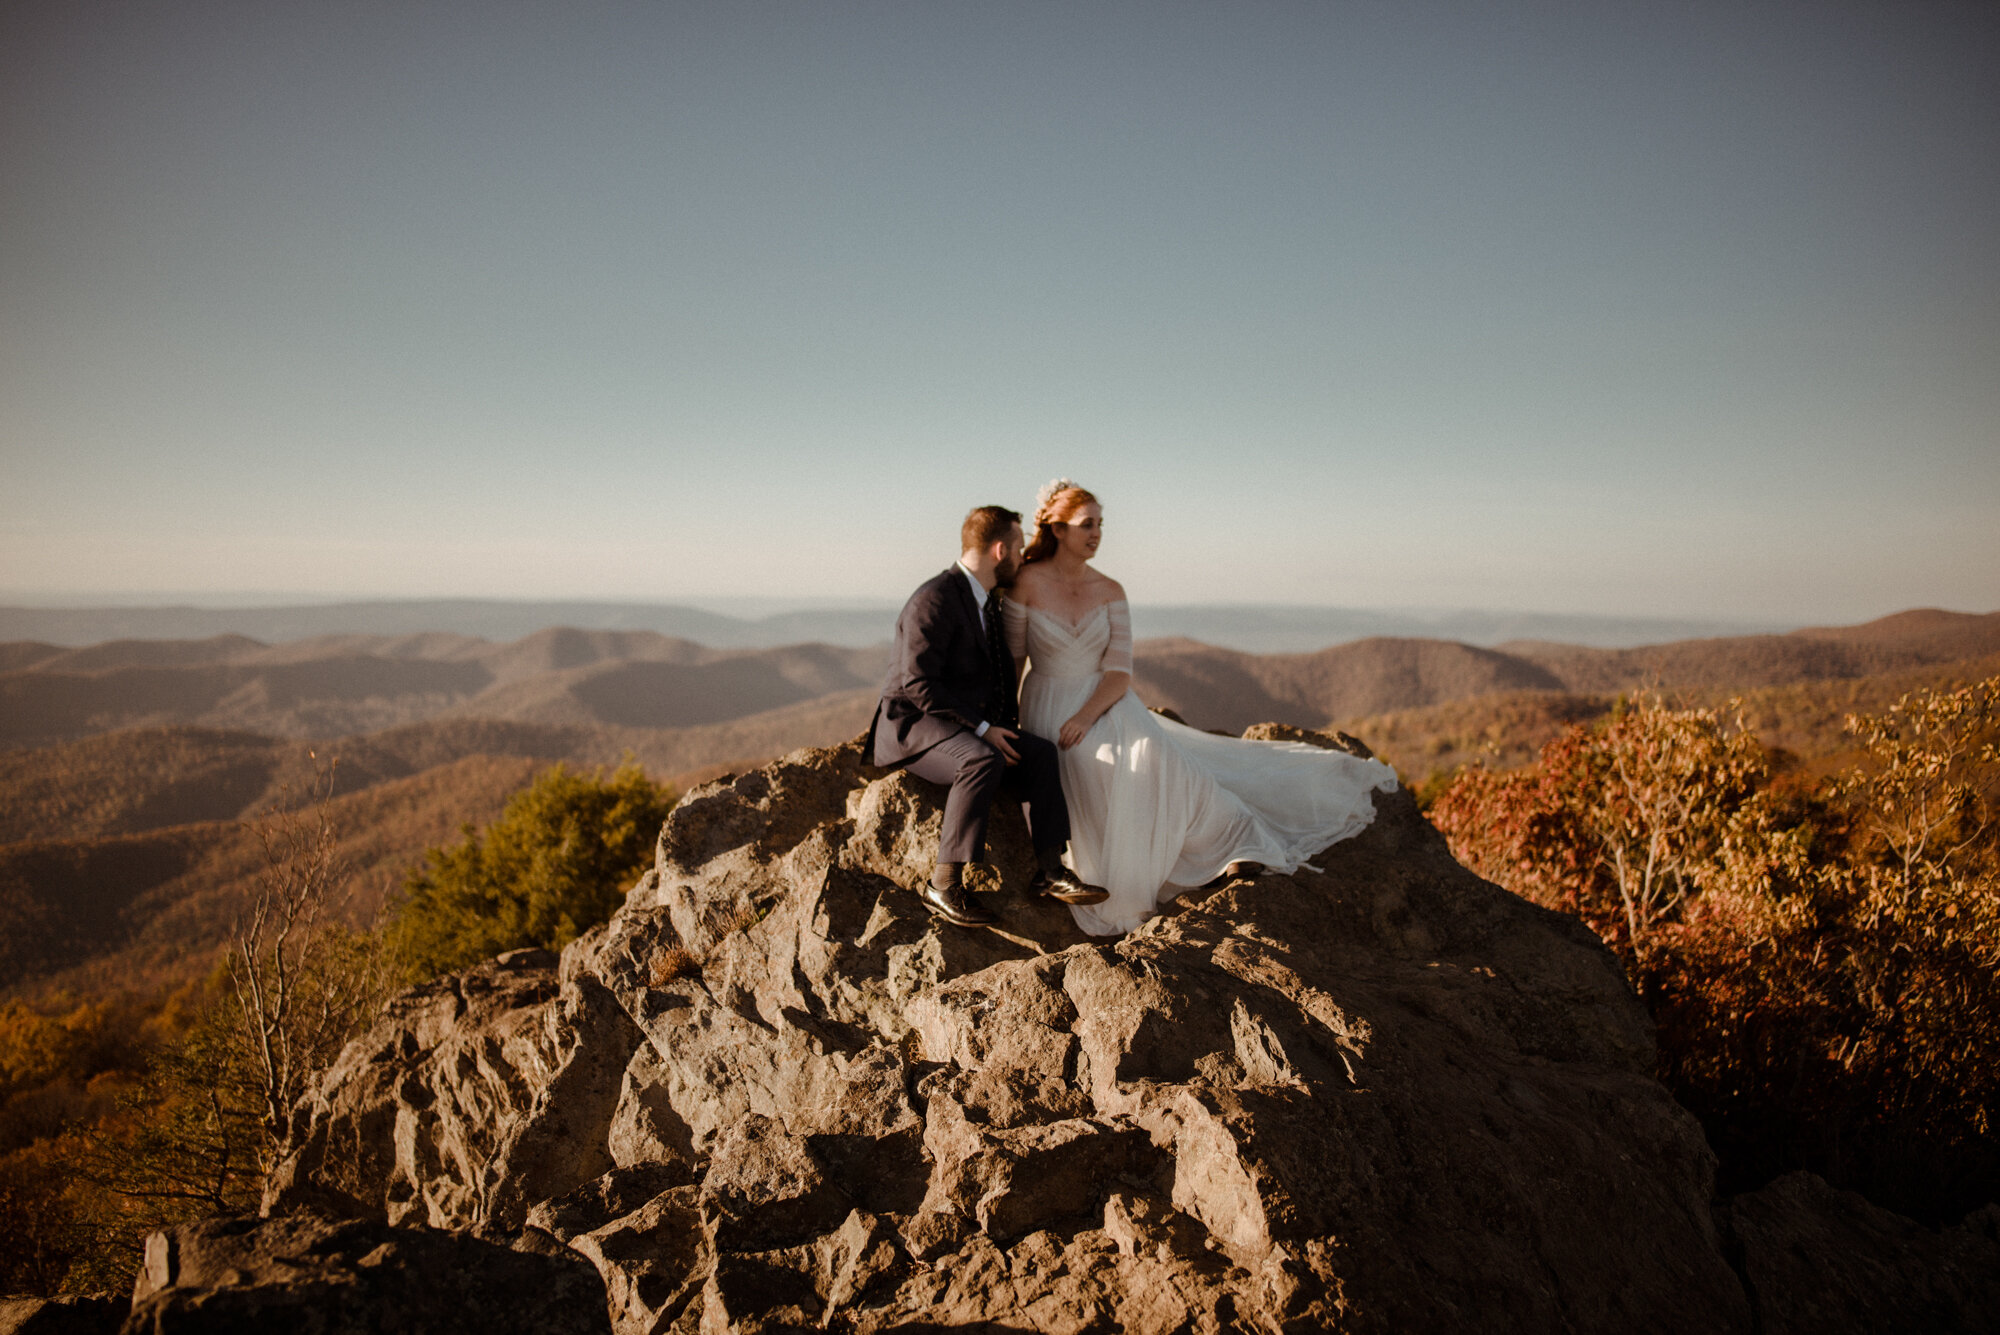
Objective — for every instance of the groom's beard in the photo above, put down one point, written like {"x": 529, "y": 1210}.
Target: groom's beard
{"x": 1003, "y": 574}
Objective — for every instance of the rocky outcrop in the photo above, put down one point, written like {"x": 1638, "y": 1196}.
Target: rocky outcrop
{"x": 1815, "y": 1259}
{"x": 61, "y": 1316}
{"x": 306, "y": 1272}
{"x": 775, "y": 1093}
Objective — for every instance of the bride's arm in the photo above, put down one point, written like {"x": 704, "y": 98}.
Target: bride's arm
{"x": 1117, "y": 677}
{"x": 1014, "y": 620}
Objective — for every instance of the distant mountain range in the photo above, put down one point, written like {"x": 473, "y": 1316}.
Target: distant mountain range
{"x": 1245, "y": 627}
{"x": 640, "y": 682}
{"x": 126, "y": 765}
{"x": 345, "y": 685}
{"x": 1217, "y": 688}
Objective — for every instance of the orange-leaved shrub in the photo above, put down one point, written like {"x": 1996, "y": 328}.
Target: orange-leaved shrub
{"x": 1821, "y": 959}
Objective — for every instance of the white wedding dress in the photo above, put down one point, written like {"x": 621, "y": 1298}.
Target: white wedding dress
{"x": 1156, "y": 807}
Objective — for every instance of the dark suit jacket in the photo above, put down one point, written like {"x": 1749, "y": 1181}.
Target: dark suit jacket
{"x": 941, "y": 681}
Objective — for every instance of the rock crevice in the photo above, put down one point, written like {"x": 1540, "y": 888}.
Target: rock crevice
{"x": 775, "y": 1093}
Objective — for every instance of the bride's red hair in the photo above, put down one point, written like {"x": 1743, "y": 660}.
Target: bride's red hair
{"x": 1060, "y": 501}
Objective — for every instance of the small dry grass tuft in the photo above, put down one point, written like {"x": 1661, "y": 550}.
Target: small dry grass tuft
{"x": 671, "y": 963}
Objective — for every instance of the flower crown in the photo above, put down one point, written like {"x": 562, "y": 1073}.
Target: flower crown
{"x": 1050, "y": 490}
{"x": 1046, "y": 498}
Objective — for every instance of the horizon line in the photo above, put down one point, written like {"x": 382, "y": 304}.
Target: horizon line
{"x": 277, "y": 600}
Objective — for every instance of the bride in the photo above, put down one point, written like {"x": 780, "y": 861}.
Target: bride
{"x": 1155, "y": 807}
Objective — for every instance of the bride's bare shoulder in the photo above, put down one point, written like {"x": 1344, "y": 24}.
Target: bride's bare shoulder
{"x": 1027, "y": 585}
{"x": 1110, "y": 590}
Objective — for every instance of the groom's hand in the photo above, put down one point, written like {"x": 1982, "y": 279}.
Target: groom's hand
{"x": 1003, "y": 742}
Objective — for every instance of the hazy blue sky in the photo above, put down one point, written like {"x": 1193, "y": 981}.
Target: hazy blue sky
{"x": 1653, "y": 309}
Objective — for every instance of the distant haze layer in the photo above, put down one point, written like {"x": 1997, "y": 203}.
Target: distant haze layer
{"x": 1251, "y": 628}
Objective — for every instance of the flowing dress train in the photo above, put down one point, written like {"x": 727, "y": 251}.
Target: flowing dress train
{"x": 1157, "y": 807}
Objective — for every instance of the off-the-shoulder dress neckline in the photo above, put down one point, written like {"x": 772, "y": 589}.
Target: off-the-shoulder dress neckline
{"x": 1073, "y": 626}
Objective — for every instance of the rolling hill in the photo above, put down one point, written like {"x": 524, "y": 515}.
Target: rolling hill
{"x": 1891, "y": 644}
{"x": 345, "y": 685}
{"x": 1221, "y": 689}
{"x": 127, "y": 767}
{"x": 90, "y": 916}
{"x": 1255, "y": 628}
{"x": 1218, "y": 688}
{"x": 123, "y": 856}
{"x": 154, "y": 778}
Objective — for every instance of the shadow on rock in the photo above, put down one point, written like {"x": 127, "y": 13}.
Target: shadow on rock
{"x": 775, "y": 1093}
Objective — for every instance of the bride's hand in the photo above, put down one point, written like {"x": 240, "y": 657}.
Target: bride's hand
{"x": 1073, "y": 731}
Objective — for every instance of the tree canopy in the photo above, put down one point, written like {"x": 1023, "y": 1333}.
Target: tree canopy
{"x": 556, "y": 863}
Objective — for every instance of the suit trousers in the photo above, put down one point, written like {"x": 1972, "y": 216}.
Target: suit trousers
{"x": 975, "y": 773}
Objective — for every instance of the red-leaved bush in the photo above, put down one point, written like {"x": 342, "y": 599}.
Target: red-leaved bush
{"x": 1822, "y": 961}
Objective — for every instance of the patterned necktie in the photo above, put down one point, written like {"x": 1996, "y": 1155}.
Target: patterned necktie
{"x": 1005, "y": 711}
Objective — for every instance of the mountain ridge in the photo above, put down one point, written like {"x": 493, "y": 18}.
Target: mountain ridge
{"x": 1247, "y": 627}
{"x": 593, "y": 699}
{"x": 348, "y": 685}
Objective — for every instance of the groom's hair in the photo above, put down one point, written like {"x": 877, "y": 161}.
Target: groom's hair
{"x": 986, "y": 525}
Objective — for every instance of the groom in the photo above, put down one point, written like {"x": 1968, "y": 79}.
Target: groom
{"x": 948, "y": 714}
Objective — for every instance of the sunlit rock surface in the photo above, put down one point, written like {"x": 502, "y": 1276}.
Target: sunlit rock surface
{"x": 775, "y": 1092}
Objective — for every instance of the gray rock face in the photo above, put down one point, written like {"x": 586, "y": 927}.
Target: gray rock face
{"x": 774, "y": 1093}
{"x": 427, "y": 1101}
{"x": 305, "y": 1271}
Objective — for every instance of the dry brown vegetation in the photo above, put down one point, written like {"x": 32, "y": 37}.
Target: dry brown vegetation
{"x": 1501, "y": 730}
{"x": 139, "y": 912}
{"x": 1821, "y": 954}
{"x": 671, "y": 963}
{"x": 129, "y": 783}
{"x": 124, "y": 861}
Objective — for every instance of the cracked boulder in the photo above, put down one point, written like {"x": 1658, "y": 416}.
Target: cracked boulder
{"x": 775, "y": 1093}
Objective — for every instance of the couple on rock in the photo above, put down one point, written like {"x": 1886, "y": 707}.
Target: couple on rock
{"x": 1013, "y": 669}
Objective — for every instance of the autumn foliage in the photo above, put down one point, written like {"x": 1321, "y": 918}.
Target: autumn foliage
{"x": 120, "y": 1118}
{"x": 1820, "y": 957}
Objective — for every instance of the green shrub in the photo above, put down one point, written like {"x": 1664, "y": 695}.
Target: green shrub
{"x": 557, "y": 862}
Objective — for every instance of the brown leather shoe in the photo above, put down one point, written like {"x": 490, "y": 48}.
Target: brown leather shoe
{"x": 954, "y": 905}
{"x": 1063, "y": 884}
